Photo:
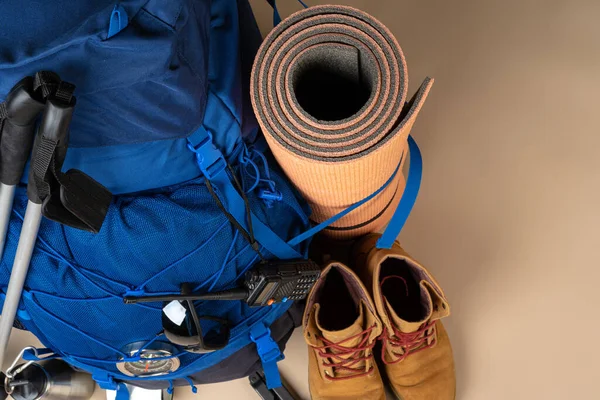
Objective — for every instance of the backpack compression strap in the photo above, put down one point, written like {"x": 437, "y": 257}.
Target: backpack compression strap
{"x": 411, "y": 191}
{"x": 215, "y": 169}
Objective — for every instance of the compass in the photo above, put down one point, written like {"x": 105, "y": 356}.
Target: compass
{"x": 152, "y": 361}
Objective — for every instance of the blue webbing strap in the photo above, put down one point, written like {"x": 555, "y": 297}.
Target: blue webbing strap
{"x": 402, "y": 211}
{"x": 276, "y": 15}
{"x": 122, "y": 392}
{"x": 29, "y": 355}
{"x": 214, "y": 167}
{"x": 269, "y": 354}
{"x": 411, "y": 191}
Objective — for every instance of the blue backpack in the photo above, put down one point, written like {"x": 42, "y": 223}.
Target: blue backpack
{"x": 162, "y": 109}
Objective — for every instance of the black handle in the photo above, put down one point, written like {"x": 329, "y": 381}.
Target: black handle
{"x": 50, "y": 148}
{"x": 22, "y": 110}
{"x": 72, "y": 198}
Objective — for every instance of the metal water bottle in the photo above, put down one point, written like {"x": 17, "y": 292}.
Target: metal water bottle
{"x": 52, "y": 380}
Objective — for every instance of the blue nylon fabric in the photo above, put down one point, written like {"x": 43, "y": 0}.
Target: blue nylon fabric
{"x": 135, "y": 167}
{"x": 133, "y": 87}
{"x": 224, "y": 116}
{"x": 141, "y": 92}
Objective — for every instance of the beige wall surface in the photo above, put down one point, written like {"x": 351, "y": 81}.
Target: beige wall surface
{"x": 509, "y": 211}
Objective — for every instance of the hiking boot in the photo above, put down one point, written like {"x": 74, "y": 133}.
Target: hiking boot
{"x": 416, "y": 350}
{"x": 341, "y": 327}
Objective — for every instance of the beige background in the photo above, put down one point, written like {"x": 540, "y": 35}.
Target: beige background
{"x": 508, "y": 215}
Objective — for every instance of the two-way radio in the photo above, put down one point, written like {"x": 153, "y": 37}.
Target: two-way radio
{"x": 268, "y": 283}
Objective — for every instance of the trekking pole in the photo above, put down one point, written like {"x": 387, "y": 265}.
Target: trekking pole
{"x": 53, "y": 129}
{"x": 72, "y": 198}
{"x": 17, "y": 130}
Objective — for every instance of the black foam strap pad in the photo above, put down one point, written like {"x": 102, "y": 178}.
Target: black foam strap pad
{"x": 72, "y": 198}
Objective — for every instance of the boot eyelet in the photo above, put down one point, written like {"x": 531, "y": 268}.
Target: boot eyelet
{"x": 443, "y": 306}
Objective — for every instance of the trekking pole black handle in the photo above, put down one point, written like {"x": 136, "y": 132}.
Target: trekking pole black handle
{"x": 50, "y": 146}
{"x": 71, "y": 198}
{"x": 22, "y": 108}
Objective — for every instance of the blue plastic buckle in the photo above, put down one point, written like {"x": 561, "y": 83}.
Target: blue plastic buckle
{"x": 267, "y": 349}
{"x": 209, "y": 158}
{"x": 272, "y": 195}
{"x": 104, "y": 380}
{"x": 269, "y": 354}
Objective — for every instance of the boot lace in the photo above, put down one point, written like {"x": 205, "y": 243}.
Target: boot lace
{"x": 347, "y": 358}
{"x": 410, "y": 343}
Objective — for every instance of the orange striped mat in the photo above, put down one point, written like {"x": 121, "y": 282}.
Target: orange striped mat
{"x": 329, "y": 86}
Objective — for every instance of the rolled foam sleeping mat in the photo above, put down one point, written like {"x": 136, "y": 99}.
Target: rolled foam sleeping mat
{"x": 329, "y": 87}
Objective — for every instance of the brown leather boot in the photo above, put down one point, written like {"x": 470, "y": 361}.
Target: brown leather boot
{"x": 416, "y": 349}
{"x": 341, "y": 327}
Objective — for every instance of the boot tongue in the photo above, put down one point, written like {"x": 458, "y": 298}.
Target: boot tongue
{"x": 343, "y": 334}
{"x": 399, "y": 323}
{"x": 343, "y": 338}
